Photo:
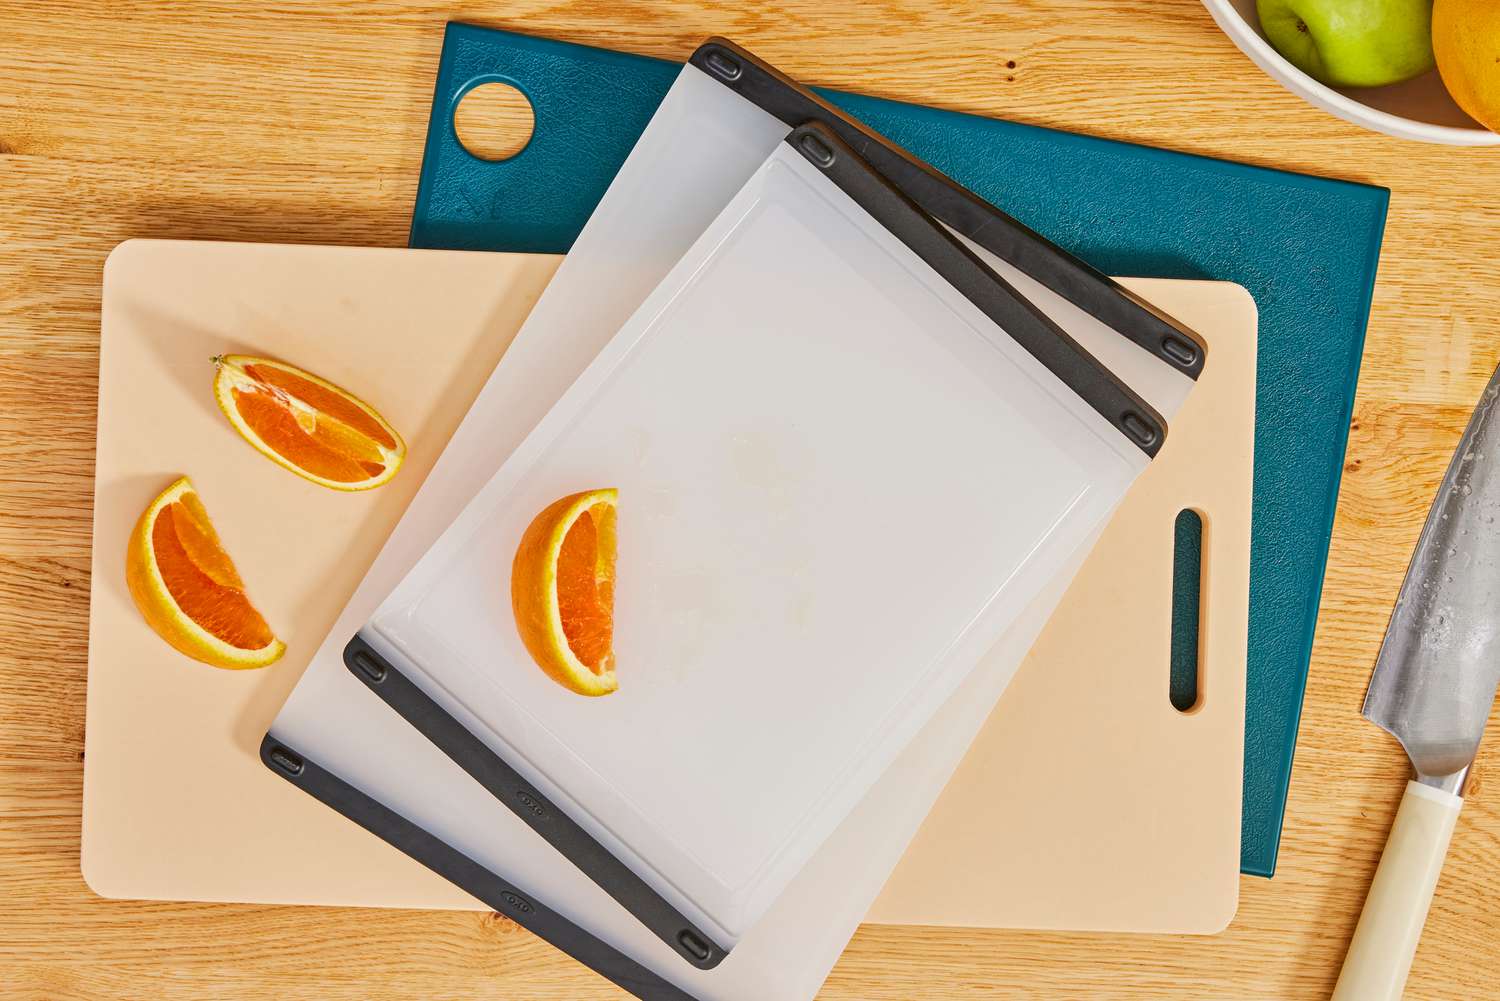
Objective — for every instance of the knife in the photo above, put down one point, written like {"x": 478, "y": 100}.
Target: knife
{"x": 1432, "y": 688}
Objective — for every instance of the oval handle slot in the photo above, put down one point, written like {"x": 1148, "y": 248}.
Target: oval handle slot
{"x": 1187, "y": 610}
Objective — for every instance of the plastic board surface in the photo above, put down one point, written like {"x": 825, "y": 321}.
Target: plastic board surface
{"x": 813, "y": 434}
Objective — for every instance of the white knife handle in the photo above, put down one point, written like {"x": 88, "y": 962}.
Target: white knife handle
{"x": 1385, "y": 940}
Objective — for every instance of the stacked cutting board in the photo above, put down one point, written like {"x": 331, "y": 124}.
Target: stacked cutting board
{"x": 1076, "y": 748}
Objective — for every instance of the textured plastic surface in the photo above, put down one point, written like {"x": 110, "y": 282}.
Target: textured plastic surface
{"x": 1305, "y": 247}
{"x": 800, "y": 383}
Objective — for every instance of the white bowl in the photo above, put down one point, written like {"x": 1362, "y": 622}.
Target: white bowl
{"x": 1417, "y": 109}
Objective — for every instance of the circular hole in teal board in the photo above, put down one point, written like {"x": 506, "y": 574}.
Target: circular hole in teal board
{"x": 494, "y": 121}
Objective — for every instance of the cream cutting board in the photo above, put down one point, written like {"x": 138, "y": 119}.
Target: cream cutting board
{"x": 1085, "y": 792}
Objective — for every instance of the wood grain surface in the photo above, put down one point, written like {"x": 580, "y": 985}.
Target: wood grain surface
{"x": 303, "y": 122}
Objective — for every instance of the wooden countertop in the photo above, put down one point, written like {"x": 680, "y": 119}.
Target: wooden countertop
{"x": 304, "y": 123}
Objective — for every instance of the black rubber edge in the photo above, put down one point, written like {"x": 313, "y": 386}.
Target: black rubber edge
{"x": 503, "y": 782}
{"x": 462, "y": 871}
{"x": 947, "y": 200}
{"x": 1096, "y": 385}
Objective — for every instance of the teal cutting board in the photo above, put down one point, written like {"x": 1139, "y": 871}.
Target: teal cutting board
{"x": 1305, "y": 247}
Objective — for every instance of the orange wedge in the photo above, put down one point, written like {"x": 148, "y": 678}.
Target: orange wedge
{"x": 562, "y": 589}
{"x": 186, "y": 586}
{"x": 307, "y": 424}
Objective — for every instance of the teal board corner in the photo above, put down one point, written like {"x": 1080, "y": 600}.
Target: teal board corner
{"x": 1305, "y": 247}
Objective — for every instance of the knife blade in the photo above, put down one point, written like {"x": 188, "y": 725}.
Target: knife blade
{"x": 1432, "y": 688}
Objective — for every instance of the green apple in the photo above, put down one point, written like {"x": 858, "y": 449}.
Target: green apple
{"x": 1352, "y": 43}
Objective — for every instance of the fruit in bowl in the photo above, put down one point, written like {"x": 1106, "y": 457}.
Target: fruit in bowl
{"x": 1466, "y": 40}
{"x": 1420, "y": 108}
{"x": 1353, "y": 43}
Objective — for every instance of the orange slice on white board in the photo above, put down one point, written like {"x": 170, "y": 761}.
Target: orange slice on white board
{"x": 187, "y": 588}
{"x": 562, "y": 590}
{"x": 316, "y": 429}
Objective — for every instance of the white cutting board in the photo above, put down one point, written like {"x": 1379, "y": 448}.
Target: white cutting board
{"x": 218, "y": 826}
{"x": 840, "y": 484}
